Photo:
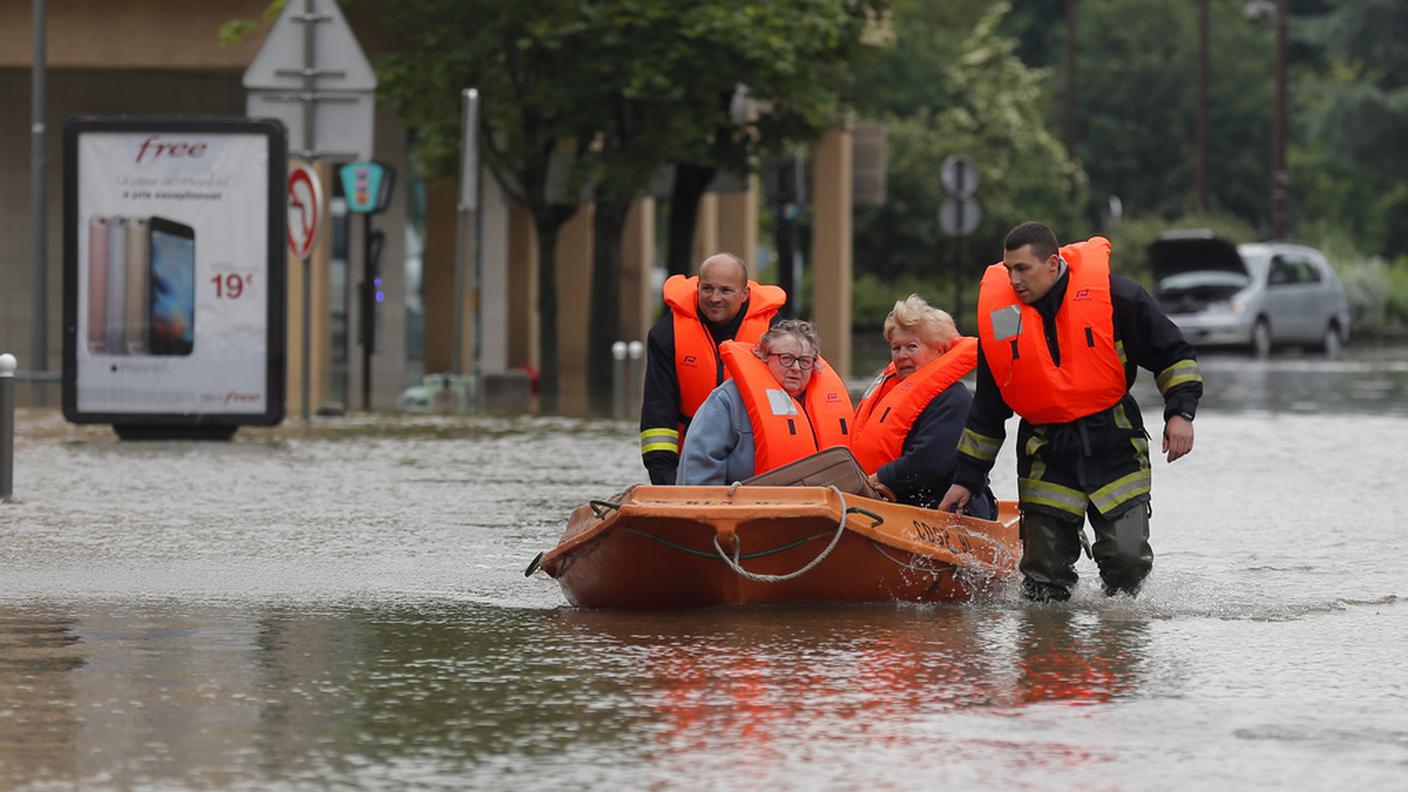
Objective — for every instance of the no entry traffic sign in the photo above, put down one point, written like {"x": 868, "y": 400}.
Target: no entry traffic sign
{"x": 305, "y": 211}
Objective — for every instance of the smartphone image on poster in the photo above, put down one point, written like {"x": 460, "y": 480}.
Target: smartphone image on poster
{"x": 117, "y": 286}
{"x": 97, "y": 284}
{"x": 138, "y": 277}
{"x": 172, "y": 286}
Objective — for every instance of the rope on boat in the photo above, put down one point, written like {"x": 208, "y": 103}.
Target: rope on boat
{"x": 745, "y": 556}
{"x": 758, "y": 577}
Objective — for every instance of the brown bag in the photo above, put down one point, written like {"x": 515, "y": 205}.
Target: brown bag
{"x": 833, "y": 467}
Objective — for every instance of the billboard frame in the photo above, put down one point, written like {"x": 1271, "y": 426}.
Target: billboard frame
{"x": 276, "y": 352}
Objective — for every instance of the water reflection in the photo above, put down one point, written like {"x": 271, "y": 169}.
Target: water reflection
{"x": 1078, "y": 658}
{"x": 38, "y": 719}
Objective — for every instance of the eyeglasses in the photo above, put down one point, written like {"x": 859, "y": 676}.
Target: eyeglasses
{"x": 802, "y": 362}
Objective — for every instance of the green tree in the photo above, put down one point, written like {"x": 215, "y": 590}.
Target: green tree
{"x": 794, "y": 59}
{"x": 1352, "y": 170}
{"x": 989, "y": 108}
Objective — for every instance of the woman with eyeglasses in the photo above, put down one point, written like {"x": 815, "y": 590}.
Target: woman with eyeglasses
{"x": 908, "y": 424}
{"x": 781, "y": 402}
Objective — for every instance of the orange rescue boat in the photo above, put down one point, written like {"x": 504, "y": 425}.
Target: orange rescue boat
{"x": 684, "y": 546}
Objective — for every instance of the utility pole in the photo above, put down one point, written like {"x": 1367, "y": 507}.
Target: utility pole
{"x": 1280, "y": 179}
{"x": 1072, "y": 97}
{"x": 1202, "y": 166}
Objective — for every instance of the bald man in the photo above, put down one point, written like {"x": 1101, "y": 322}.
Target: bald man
{"x": 683, "y": 364}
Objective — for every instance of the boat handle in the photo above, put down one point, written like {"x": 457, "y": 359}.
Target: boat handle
{"x": 601, "y": 507}
{"x": 879, "y": 521}
{"x": 533, "y": 565}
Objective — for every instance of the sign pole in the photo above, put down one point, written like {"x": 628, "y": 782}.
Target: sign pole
{"x": 310, "y": 40}
{"x": 469, "y": 202}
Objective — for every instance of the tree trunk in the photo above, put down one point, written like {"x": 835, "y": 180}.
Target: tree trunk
{"x": 608, "y": 224}
{"x": 547, "y": 224}
{"x": 685, "y": 194}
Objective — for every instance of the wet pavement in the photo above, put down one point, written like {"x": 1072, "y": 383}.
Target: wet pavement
{"x": 341, "y": 605}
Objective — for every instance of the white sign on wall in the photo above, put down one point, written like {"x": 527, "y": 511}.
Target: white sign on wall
{"x": 174, "y": 241}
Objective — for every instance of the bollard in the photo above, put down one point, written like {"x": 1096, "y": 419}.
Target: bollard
{"x": 635, "y": 379}
{"x": 618, "y": 379}
{"x": 7, "y": 425}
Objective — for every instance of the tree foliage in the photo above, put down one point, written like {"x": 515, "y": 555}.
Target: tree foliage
{"x": 986, "y": 104}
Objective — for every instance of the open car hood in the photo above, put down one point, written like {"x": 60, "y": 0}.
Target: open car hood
{"x": 1179, "y": 252}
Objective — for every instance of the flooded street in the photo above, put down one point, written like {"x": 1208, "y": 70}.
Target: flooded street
{"x": 342, "y": 605}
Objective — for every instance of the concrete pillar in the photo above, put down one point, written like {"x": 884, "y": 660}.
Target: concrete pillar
{"x": 638, "y": 295}
{"x": 832, "y": 245}
{"x": 522, "y": 289}
{"x": 494, "y": 283}
{"x": 320, "y": 328}
{"x": 574, "y": 287}
{"x": 438, "y": 275}
{"x": 706, "y": 231}
{"x": 738, "y": 223}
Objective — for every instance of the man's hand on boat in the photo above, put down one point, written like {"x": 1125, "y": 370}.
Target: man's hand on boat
{"x": 956, "y": 499}
{"x": 886, "y": 494}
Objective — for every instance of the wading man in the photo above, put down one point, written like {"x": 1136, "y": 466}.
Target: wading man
{"x": 682, "y": 364}
{"x": 1060, "y": 343}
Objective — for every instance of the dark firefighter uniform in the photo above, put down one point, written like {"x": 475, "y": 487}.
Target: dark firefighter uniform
{"x": 1065, "y": 364}
{"x": 683, "y": 365}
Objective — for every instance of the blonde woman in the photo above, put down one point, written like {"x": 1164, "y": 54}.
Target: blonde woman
{"x": 908, "y": 425}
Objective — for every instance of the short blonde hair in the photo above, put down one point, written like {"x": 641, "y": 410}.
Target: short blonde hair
{"x": 913, "y": 315}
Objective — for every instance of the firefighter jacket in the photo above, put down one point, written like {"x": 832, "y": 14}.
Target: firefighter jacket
{"x": 1100, "y": 459}
{"x": 683, "y": 365}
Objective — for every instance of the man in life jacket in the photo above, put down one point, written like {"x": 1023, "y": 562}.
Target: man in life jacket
{"x": 683, "y": 364}
{"x": 1061, "y": 342}
{"x": 908, "y": 424}
{"x": 781, "y": 402}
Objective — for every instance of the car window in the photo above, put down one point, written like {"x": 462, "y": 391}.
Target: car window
{"x": 1282, "y": 272}
{"x": 1257, "y": 263}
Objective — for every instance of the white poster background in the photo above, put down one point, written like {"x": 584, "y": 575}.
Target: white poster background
{"x": 218, "y": 184}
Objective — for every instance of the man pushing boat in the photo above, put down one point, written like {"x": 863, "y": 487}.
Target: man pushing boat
{"x": 1061, "y": 341}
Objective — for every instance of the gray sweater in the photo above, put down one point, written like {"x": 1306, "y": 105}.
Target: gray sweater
{"x": 718, "y": 447}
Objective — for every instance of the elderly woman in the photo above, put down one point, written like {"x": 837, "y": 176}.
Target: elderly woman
{"x": 908, "y": 424}
{"x": 780, "y": 403}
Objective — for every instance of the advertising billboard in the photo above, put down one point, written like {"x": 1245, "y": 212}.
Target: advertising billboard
{"x": 174, "y": 270}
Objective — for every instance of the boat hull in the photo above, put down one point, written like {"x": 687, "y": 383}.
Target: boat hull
{"x": 665, "y": 547}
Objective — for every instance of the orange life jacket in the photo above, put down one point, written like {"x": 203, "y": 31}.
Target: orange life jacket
{"x": 696, "y": 354}
{"x": 898, "y": 404}
{"x": 1091, "y": 377}
{"x": 782, "y": 432}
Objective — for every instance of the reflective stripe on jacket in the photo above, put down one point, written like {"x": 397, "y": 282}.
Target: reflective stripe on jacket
{"x": 894, "y": 405}
{"x": 783, "y": 430}
{"x": 1091, "y": 375}
{"x": 697, "y": 362}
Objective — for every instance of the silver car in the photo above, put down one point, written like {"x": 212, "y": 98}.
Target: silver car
{"x": 1255, "y": 295}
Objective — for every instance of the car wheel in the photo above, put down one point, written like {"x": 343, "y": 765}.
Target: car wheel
{"x": 1261, "y": 339}
{"x": 1333, "y": 345}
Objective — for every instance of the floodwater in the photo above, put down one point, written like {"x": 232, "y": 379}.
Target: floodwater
{"x": 342, "y": 605}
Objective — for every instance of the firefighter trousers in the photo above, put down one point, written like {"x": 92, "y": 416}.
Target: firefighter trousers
{"x": 1051, "y": 545}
